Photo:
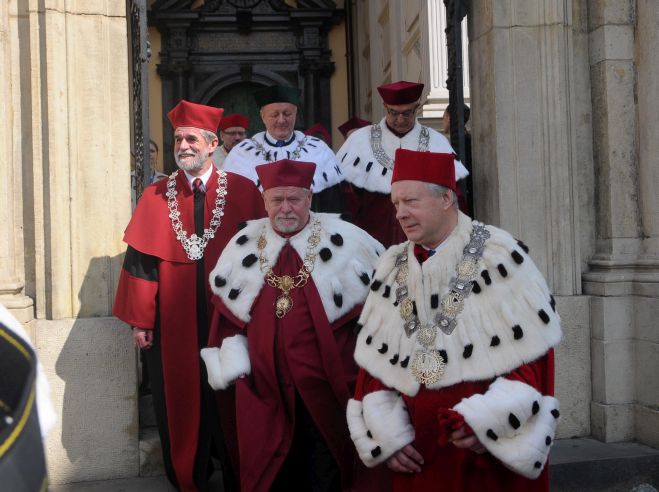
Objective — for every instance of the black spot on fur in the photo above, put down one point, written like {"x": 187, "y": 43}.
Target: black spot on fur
{"x": 502, "y": 270}
{"x": 242, "y": 225}
{"x": 220, "y": 281}
{"x": 434, "y": 301}
{"x": 518, "y": 332}
{"x": 325, "y": 254}
{"x": 548, "y": 441}
{"x": 537, "y": 464}
{"x": 355, "y": 162}
{"x": 383, "y": 349}
{"x": 376, "y": 285}
{"x": 376, "y": 452}
{"x": 249, "y": 260}
{"x": 405, "y": 362}
{"x": 395, "y": 303}
{"x": 513, "y": 421}
{"x": 368, "y": 433}
{"x": 444, "y": 356}
{"x": 469, "y": 349}
{"x": 414, "y": 311}
{"x": 535, "y": 408}
{"x": 387, "y": 291}
{"x": 233, "y": 294}
{"x": 544, "y": 316}
{"x": 393, "y": 360}
{"x": 495, "y": 341}
{"x": 552, "y": 303}
{"x": 346, "y": 217}
{"x": 337, "y": 239}
{"x": 476, "y": 289}
{"x": 486, "y": 276}
{"x": 338, "y": 300}
{"x": 325, "y": 176}
{"x": 344, "y": 156}
{"x": 491, "y": 434}
{"x": 517, "y": 258}
{"x": 365, "y": 278}
{"x": 358, "y": 327}
{"x": 523, "y": 246}
{"x": 384, "y": 171}
{"x": 369, "y": 339}
{"x": 242, "y": 240}
{"x": 555, "y": 413}
{"x": 368, "y": 167}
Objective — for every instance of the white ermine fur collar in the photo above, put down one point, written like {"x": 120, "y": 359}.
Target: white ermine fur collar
{"x": 343, "y": 270}
{"x": 362, "y": 169}
{"x": 509, "y": 318}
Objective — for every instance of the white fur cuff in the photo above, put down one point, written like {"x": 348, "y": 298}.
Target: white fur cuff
{"x": 226, "y": 364}
{"x": 379, "y": 426}
{"x": 515, "y": 423}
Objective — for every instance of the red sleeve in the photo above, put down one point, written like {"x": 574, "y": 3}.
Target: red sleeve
{"x": 223, "y": 324}
{"x": 135, "y": 301}
{"x": 539, "y": 374}
{"x": 367, "y": 384}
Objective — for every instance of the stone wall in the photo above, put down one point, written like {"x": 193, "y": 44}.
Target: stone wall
{"x": 66, "y": 150}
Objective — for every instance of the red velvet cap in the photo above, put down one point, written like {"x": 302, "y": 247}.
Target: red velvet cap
{"x": 286, "y": 173}
{"x": 401, "y": 92}
{"x": 194, "y": 115}
{"x": 232, "y": 120}
{"x": 430, "y": 167}
{"x": 319, "y": 129}
{"x": 352, "y": 124}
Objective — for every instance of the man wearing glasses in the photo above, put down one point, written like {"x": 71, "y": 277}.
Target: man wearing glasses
{"x": 233, "y": 130}
{"x": 366, "y": 159}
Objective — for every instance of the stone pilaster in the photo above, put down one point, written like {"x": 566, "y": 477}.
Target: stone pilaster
{"x": 531, "y": 160}
{"x": 12, "y": 274}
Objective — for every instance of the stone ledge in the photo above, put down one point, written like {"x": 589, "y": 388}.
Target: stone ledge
{"x": 586, "y": 465}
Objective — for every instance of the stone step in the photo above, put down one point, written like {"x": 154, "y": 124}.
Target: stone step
{"x": 151, "y": 464}
{"x": 585, "y": 464}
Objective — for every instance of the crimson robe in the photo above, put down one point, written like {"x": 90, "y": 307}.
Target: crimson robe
{"x": 302, "y": 352}
{"x": 448, "y": 468}
{"x": 158, "y": 290}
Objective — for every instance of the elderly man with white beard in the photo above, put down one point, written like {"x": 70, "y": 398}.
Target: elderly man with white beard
{"x": 178, "y": 230}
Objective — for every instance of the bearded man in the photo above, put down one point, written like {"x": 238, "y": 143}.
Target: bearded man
{"x": 288, "y": 291}
{"x": 179, "y": 228}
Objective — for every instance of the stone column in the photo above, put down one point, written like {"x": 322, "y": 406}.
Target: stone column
{"x": 12, "y": 275}
{"x": 531, "y": 164}
{"x": 624, "y": 272}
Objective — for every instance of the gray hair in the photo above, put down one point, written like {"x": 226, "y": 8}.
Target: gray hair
{"x": 208, "y": 135}
{"x": 439, "y": 190}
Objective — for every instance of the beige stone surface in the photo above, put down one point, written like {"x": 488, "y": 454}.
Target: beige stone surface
{"x": 647, "y": 425}
{"x": 613, "y": 371}
{"x": 612, "y": 423}
{"x": 647, "y": 373}
{"x": 91, "y": 368}
{"x": 573, "y": 385}
{"x": 646, "y": 319}
{"x": 612, "y": 318}
{"x": 602, "y": 12}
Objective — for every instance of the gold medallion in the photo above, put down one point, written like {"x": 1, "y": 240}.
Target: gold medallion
{"x": 406, "y": 308}
{"x": 426, "y": 335}
{"x": 283, "y": 305}
{"x": 468, "y": 267}
{"x": 427, "y": 366}
{"x": 286, "y": 283}
{"x": 452, "y": 304}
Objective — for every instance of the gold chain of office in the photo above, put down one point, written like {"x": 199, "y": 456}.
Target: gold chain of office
{"x": 286, "y": 283}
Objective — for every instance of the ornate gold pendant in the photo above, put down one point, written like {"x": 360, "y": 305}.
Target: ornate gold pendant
{"x": 283, "y": 305}
{"x": 427, "y": 366}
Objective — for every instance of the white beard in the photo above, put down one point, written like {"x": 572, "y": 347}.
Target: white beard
{"x": 195, "y": 164}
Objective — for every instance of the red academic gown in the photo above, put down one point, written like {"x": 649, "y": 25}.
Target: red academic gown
{"x": 301, "y": 353}
{"x": 158, "y": 290}
{"x": 448, "y": 468}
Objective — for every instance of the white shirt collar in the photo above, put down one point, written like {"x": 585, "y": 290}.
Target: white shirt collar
{"x": 204, "y": 177}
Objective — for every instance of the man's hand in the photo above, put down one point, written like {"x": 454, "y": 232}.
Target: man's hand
{"x": 143, "y": 338}
{"x": 469, "y": 442}
{"x": 405, "y": 460}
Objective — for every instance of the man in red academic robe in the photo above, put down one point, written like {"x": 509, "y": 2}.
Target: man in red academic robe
{"x": 178, "y": 230}
{"x": 456, "y": 348}
{"x": 366, "y": 159}
{"x": 288, "y": 291}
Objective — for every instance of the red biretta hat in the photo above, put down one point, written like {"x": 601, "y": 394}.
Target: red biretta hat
{"x": 194, "y": 115}
{"x": 286, "y": 173}
{"x": 401, "y": 92}
{"x": 319, "y": 129}
{"x": 352, "y": 124}
{"x": 430, "y": 167}
{"x": 232, "y": 120}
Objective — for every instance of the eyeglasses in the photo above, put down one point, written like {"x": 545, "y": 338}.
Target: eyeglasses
{"x": 405, "y": 114}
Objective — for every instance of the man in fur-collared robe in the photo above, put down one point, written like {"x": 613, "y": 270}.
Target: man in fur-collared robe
{"x": 366, "y": 160}
{"x": 178, "y": 230}
{"x": 456, "y": 348}
{"x": 289, "y": 349}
